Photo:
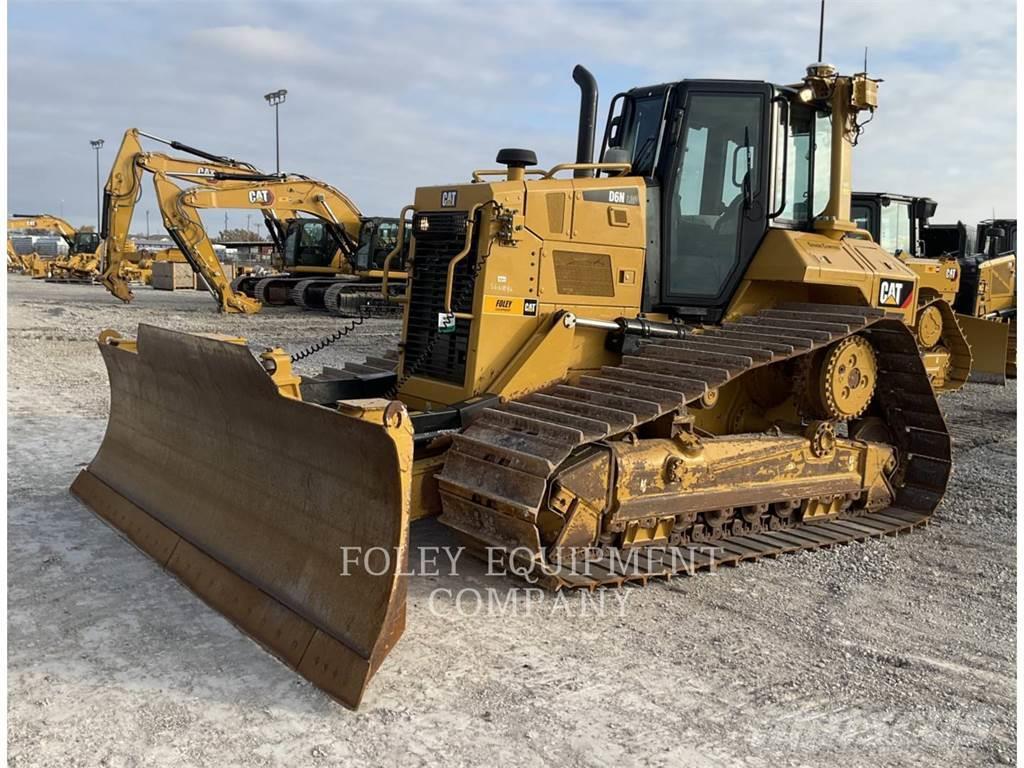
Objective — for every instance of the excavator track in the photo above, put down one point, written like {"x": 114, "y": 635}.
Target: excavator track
{"x": 347, "y": 300}
{"x": 499, "y": 471}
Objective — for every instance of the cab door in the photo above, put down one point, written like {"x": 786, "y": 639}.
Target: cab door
{"x": 715, "y": 192}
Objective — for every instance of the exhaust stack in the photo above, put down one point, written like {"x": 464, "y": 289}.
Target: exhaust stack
{"x": 588, "y": 118}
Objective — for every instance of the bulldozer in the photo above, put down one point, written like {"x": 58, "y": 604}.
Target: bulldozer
{"x": 966, "y": 288}
{"x": 679, "y": 356}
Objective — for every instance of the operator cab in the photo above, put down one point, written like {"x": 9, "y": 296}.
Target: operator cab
{"x": 85, "y": 242}
{"x": 724, "y": 161}
{"x": 377, "y": 238}
{"x": 310, "y": 243}
{"x": 900, "y": 224}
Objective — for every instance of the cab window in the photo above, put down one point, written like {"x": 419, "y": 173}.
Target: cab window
{"x": 717, "y": 168}
{"x": 861, "y": 217}
{"x": 894, "y": 233}
{"x": 309, "y": 245}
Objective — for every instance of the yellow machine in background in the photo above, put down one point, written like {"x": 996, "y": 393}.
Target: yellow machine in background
{"x": 332, "y": 260}
{"x": 602, "y": 366}
{"x": 963, "y": 284}
{"x": 122, "y": 191}
{"x": 81, "y": 261}
{"x": 338, "y": 242}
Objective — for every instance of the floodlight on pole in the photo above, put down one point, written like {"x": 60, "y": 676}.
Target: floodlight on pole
{"x": 97, "y": 144}
{"x": 276, "y": 99}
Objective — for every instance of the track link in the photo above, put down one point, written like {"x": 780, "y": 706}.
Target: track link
{"x": 355, "y": 300}
{"x": 499, "y": 470}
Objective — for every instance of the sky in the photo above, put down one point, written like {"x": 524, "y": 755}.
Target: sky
{"x": 388, "y": 96}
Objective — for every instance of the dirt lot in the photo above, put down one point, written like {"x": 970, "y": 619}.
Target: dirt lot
{"x": 891, "y": 652}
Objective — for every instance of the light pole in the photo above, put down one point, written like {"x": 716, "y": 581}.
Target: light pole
{"x": 276, "y": 99}
{"x": 97, "y": 144}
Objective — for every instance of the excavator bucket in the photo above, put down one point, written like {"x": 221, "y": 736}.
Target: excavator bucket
{"x": 989, "y": 340}
{"x": 289, "y": 518}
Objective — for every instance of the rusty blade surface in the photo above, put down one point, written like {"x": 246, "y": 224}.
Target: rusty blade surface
{"x": 249, "y": 499}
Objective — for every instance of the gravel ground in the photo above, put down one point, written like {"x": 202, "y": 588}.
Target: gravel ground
{"x": 893, "y": 652}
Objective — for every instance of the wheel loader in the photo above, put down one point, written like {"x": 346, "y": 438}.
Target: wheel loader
{"x": 965, "y": 289}
{"x": 681, "y": 356}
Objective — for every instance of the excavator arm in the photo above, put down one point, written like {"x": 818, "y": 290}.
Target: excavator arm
{"x": 124, "y": 186}
{"x": 186, "y": 228}
{"x": 275, "y": 197}
{"x": 47, "y": 221}
{"x": 289, "y": 197}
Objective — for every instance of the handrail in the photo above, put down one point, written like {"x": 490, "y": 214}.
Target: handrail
{"x": 785, "y": 158}
{"x": 396, "y": 250}
{"x": 622, "y": 168}
{"x": 479, "y": 174}
{"x": 470, "y": 225}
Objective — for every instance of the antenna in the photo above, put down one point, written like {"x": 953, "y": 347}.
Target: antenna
{"x": 865, "y": 59}
{"x": 821, "y": 31}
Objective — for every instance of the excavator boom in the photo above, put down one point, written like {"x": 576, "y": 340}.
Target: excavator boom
{"x": 122, "y": 191}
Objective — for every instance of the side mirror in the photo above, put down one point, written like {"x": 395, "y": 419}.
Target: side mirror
{"x": 924, "y": 208}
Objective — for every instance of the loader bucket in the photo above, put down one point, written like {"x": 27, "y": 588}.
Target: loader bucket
{"x": 249, "y": 497}
{"x": 989, "y": 340}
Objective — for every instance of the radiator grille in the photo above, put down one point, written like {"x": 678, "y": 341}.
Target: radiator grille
{"x": 439, "y": 355}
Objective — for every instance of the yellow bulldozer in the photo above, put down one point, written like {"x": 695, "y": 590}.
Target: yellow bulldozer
{"x": 680, "y": 356}
{"x": 969, "y": 282}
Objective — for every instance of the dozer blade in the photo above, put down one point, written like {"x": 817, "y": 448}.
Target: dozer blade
{"x": 249, "y": 497}
{"x": 989, "y": 340}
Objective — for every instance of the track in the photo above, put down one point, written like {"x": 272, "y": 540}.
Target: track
{"x": 499, "y": 470}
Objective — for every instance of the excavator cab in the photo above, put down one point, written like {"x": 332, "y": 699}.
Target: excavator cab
{"x": 310, "y": 243}
{"x": 85, "y": 242}
{"x": 378, "y": 237}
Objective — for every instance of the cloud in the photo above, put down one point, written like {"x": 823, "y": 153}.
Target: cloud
{"x": 385, "y": 97}
{"x": 262, "y": 45}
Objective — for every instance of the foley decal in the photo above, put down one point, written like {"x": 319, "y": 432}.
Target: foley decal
{"x": 506, "y": 305}
{"x": 895, "y": 293}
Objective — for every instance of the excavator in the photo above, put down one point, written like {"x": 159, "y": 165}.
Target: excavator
{"x": 971, "y": 286}
{"x": 330, "y": 261}
{"x": 122, "y": 191}
{"x": 680, "y": 356}
{"x": 318, "y": 249}
{"x": 81, "y": 260}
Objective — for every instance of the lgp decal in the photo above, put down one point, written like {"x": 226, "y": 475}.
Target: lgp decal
{"x": 261, "y": 196}
{"x": 449, "y": 198}
{"x": 895, "y": 293}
